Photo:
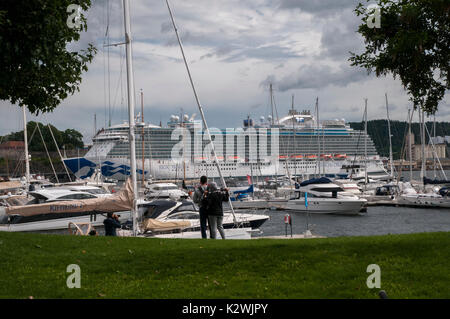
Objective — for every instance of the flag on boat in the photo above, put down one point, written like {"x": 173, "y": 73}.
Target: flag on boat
{"x": 249, "y": 179}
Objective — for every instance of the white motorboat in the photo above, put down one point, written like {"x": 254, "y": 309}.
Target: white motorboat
{"x": 164, "y": 190}
{"x": 167, "y": 210}
{"x": 424, "y": 200}
{"x": 323, "y": 196}
{"x": 54, "y": 209}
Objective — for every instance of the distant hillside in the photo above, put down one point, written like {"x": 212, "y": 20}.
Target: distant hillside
{"x": 378, "y": 131}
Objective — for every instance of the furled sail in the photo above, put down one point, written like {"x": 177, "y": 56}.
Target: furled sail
{"x": 121, "y": 201}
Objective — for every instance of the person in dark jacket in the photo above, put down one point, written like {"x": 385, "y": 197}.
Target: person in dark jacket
{"x": 111, "y": 223}
{"x": 200, "y": 200}
{"x": 215, "y": 197}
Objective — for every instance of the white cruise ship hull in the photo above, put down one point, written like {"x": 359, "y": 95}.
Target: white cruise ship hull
{"x": 119, "y": 168}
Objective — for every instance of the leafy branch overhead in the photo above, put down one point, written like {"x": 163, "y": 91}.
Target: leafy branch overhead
{"x": 412, "y": 43}
{"x": 36, "y": 68}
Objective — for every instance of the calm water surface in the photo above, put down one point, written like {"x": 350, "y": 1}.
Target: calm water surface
{"x": 377, "y": 221}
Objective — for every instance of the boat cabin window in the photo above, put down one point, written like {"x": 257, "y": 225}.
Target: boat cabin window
{"x": 156, "y": 209}
{"x": 76, "y": 196}
{"x": 96, "y": 191}
{"x": 186, "y": 206}
{"x": 184, "y": 215}
{"x": 327, "y": 189}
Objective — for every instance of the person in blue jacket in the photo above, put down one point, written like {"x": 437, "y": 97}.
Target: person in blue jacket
{"x": 111, "y": 223}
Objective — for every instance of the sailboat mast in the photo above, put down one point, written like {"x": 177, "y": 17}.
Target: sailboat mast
{"x": 409, "y": 145}
{"x": 143, "y": 138}
{"x": 434, "y": 141}
{"x": 294, "y": 146}
{"x": 391, "y": 160}
{"x": 200, "y": 108}
{"x": 130, "y": 83}
{"x": 422, "y": 137}
{"x": 271, "y": 101}
{"x": 365, "y": 143}
{"x": 318, "y": 136}
{"x": 27, "y": 158}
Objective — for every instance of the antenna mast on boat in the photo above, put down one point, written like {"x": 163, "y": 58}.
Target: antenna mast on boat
{"x": 27, "y": 158}
{"x": 200, "y": 108}
{"x": 391, "y": 160}
{"x": 130, "y": 83}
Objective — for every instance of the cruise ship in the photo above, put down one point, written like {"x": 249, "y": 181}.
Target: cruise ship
{"x": 294, "y": 145}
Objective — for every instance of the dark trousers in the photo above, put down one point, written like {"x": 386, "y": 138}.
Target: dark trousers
{"x": 203, "y": 221}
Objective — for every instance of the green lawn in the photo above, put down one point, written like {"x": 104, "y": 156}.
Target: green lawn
{"x": 412, "y": 266}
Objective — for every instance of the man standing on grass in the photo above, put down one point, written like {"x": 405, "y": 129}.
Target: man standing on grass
{"x": 215, "y": 198}
{"x": 200, "y": 200}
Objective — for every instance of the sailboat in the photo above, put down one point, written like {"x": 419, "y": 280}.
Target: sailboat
{"x": 423, "y": 199}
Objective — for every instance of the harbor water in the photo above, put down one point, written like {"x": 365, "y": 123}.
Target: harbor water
{"x": 379, "y": 220}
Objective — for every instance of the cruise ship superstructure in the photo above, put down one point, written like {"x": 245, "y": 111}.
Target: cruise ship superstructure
{"x": 293, "y": 145}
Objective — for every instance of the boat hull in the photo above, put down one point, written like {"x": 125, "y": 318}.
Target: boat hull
{"x": 327, "y": 206}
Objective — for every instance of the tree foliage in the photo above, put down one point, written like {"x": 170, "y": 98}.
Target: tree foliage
{"x": 413, "y": 43}
{"x": 69, "y": 139}
{"x": 36, "y": 68}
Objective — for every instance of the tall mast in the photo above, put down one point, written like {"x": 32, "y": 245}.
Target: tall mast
{"x": 27, "y": 158}
{"x": 130, "y": 83}
{"x": 200, "y": 108}
{"x": 434, "y": 141}
{"x": 271, "y": 101}
{"x": 391, "y": 160}
{"x": 409, "y": 145}
{"x": 294, "y": 146}
{"x": 365, "y": 143}
{"x": 422, "y": 170}
{"x": 143, "y": 138}
{"x": 318, "y": 135}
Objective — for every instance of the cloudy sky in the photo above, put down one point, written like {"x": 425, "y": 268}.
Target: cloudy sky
{"x": 235, "y": 49}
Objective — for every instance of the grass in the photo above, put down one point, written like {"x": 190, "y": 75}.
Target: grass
{"x": 412, "y": 266}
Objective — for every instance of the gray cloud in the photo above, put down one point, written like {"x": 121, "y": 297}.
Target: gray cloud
{"x": 317, "y": 76}
{"x": 318, "y": 6}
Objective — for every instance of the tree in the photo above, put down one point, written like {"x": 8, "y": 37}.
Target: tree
{"x": 69, "y": 139}
{"x": 36, "y": 68}
{"x": 72, "y": 139}
{"x": 413, "y": 43}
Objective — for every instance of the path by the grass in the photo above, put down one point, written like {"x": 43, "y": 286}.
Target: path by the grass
{"x": 412, "y": 266}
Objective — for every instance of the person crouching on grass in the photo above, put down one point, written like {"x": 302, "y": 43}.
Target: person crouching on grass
{"x": 111, "y": 223}
{"x": 215, "y": 197}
